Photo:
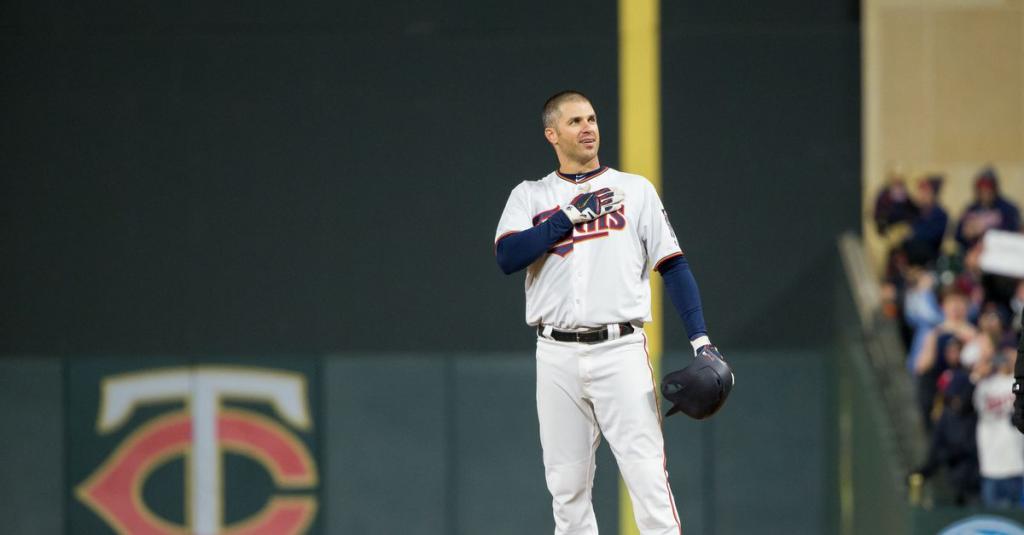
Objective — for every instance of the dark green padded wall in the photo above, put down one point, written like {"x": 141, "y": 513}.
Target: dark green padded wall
{"x": 32, "y": 448}
{"x": 761, "y": 122}
{"x": 450, "y": 445}
{"x": 196, "y": 178}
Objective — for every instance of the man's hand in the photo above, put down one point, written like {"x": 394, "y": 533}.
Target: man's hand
{"x": 709, "y": 351}
{"x": 587, "y": 206}
{"x": 1018, "y": 404}
{"x": 701, "y": 388}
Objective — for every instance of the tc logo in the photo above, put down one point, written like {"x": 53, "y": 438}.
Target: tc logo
{"x": 200, "y": 434}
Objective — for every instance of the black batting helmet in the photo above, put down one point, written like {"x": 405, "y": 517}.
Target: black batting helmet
{"x": 701, "y": 388}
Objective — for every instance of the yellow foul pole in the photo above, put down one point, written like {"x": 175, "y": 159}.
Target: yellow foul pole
{"x": 640, "y": 149}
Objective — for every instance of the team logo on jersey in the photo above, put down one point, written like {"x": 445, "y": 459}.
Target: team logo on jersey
{"x": 999, "y": 403}
{"x": 671, "y": 230}
{"x": 589, "y": 230}
{"x": 210, "y": 413}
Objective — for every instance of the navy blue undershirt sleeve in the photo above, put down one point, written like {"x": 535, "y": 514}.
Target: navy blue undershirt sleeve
{"x": 516, "y": 251}
{"x": 681, "y": 287}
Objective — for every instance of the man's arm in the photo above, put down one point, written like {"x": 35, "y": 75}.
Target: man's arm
{"x": 517, "y": 250}
{"x": 681, "y": 287}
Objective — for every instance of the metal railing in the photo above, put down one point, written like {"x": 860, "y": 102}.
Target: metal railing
{"x": 886, "y": 355}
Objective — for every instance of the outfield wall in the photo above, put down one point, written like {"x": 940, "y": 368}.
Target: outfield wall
{"x": 432, "y": 444}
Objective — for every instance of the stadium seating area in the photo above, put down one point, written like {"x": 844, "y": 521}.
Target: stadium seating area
{"x": 960, "y": 326}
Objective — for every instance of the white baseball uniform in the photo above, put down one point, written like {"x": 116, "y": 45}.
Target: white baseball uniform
{"x": 597, "y": 277}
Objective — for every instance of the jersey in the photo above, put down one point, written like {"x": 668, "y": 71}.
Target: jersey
{"x": 1000, "y": 445}
{"x": 600, "y": 274}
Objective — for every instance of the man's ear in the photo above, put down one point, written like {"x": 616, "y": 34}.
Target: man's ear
{"x": 550, "y": 135}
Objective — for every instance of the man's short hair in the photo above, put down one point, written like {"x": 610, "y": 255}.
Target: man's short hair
{"x": 550, "y": 114}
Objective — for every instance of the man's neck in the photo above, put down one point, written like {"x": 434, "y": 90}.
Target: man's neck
{"x": 577, "y": 168}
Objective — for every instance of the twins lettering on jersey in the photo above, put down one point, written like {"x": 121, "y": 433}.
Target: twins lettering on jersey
{"x": 589, "y": 230}
{"x": 1002, "y": 403}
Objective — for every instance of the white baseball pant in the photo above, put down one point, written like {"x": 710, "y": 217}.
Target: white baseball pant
{"x": 588, "y": 390}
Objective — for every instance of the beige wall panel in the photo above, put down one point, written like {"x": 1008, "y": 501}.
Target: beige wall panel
{"x": 904, "y": 83}
{"x": 943, "y": 93}
{"x": 978, "y": 92}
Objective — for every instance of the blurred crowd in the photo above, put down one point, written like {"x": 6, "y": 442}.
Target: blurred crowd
{"x": 960, "y": 327}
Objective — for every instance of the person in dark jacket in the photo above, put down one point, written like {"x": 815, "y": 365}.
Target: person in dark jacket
{"x": 990, "y": 210}
{"x": 928, "y": 226}
{"x": 939, "y": 351}
{"x": 893, "y": 205}
{"x": 953, "y": 446}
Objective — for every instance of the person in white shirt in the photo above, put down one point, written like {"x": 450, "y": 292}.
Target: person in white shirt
{"x": 1000, "y": 445}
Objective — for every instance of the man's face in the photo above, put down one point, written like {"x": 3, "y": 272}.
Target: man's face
{"x": 575, "y": 134}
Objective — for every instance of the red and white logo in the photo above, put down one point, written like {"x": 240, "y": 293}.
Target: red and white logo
{"x": 201, "y": 433}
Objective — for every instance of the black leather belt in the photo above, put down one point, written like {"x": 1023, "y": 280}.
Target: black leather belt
{"x": 585, "y": 337}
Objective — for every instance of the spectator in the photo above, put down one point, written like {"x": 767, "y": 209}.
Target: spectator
{"x": 983, "y": 347}
{"x": 921, "y": 310}
{"x": 1000, "y": 445}
{"x": 989, "y": 210}
{"x": 915, "y": 249}
{"x": 893, "y": 205}
{"x": 893, "y": 214}
{"x": 1000, "y": 291}
{"x": 931, "y": 359}
{"x": 928, "y": 226}
{"x": 953, "y": 446}
{"x": 970, "y": 281}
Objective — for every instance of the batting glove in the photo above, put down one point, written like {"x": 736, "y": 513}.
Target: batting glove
{"x": 594, "y": 204}
{"x": 709, "y": 351}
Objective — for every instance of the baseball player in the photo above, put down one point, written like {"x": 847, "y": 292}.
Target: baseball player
{"x": 589, "y": 237}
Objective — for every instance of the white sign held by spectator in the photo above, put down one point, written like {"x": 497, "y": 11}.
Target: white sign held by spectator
{"x": 1003, "y": 253}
